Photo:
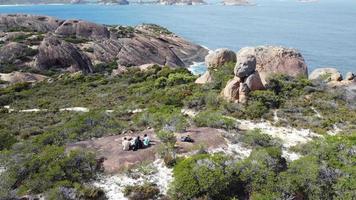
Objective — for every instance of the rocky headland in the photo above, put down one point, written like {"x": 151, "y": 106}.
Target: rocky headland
{"x": 42, "y": 44}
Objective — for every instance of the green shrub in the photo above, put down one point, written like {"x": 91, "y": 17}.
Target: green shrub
{"x": 255, "y": 109}
{"x": 215, "y": 120}
{"x": 201, "y": 175}
{"x": 7, "y": 140}
{"x": 255, "y": 137}
{"x": 179, "y": 78}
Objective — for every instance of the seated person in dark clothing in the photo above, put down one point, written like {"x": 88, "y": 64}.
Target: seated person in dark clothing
{"x": 186, "y": 139}
{"x": 138, "y": 144}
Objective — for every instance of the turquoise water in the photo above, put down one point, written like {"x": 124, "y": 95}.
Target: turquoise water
{"x": 325, "y": 32}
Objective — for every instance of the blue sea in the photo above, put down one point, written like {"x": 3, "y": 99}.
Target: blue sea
{"x": 324, "y": 31}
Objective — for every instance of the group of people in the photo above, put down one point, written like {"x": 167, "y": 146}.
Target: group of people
{"x": 136, "y": 143}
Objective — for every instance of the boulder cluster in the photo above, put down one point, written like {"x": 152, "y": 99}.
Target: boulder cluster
{"x": 332, "y": 76}
{"x": 253, "y": 67}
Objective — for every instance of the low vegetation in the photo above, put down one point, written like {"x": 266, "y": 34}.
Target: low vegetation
{"x": 32, "y": 146}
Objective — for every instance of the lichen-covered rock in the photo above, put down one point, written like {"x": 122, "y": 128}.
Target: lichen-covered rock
{"x": 83, "y": 29}
{"x": 326, "y": 74}
{"x": 219, "y": 57}
{"x": 231, "y": 90}
{"x": 271, "y": 60}
{"x": 254, "y": 82}
{"x": 205, "y": 78}
{"x": 245, "y": 66}
{"x": 54, "y": 53}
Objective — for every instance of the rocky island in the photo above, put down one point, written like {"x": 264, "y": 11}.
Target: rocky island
{"x": 255, "y": 125}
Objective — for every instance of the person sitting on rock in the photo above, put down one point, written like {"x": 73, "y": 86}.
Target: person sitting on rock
{"x": 146, "y": 141}
{"x": 132, "y": 144}
{"x": 125, "y": 144}
{"x": 137, "y": 143}
{"x": 186, "y": 139}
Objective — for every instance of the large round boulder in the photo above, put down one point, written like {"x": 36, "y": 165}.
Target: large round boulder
{"x": 326, "y": 74}
{"x": 54, "y": 53}
{"x": 231, "y": 90}
{"x": 219, "y": 57}
{"x": 25, "y": 22}
{"x": 254, "y": 82}
{"x": 275, "y": 60}
{"x": 245, "y": 66}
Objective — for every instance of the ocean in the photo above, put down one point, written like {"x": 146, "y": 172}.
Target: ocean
{"x": 324, "y": 31}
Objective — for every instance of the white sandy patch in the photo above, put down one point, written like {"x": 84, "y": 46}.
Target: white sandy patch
{"x": 34, "y": 110}
{"x": 289, "y": 136}
{"x": 114, "y": 185}
{"x": 290, "y": 156}
{"x": 75, "y": 109}
{"x": 237, "y": 150}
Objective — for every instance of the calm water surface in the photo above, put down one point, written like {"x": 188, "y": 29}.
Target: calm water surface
{"x": 325, "y": 32}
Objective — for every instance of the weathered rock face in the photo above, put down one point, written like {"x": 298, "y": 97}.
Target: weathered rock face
{"x": 55, "y": 53}
{"x": 205, "y": 78}
{"x": 17, "y": 77}
{"x": 28, "y": 22}
{"x": 77, "y": 44}
{"x": 254, "y": 82}
{"x": 245, "y": 66}
{"x": 83, "y": 29}
{"x": 219, "y": 57}
{"x": 12, "y": 51}
{"x": 326, "y": 74}
{"x": 271, "y": 60}
{"x": 255, "y": 65}
{"x": 231, "y": 91}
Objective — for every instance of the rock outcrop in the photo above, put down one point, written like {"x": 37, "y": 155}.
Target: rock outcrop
{"x": 326, "y": 74}
{"x": 54, "y": 53}
{"x": 19, "y": 22}
{"x": 205, "y": 78}
{"x": 18, "y": 77}
{"x": 271, "y": 60}
{"x": 255, "y": 65}
{"x": 13, "y": 51}
{"x": 219, "y": 57}
{"x": 83, "y": 29}
{"x": 77, "y": 45}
